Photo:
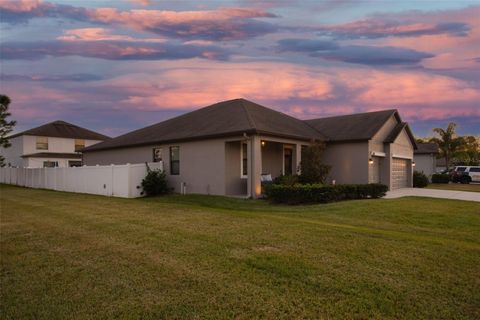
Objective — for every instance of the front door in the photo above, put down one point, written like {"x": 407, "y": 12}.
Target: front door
{"x": 287, "y": 161}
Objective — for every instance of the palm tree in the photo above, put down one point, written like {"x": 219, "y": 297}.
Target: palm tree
{"x": 448, "y": 142}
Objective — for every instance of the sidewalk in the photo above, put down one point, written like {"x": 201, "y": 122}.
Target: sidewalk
{"x": 444, "y": 194}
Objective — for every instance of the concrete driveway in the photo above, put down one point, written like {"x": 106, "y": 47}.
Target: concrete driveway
{"x": 432, "y": 193}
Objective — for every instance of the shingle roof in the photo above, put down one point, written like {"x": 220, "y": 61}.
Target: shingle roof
{"x": 232, "y": 117}
{"x": 53, "y": 155}
{"x": 426, "y": 148}
{"x": 361, "y": 126}
{"x": 62, "y": 129}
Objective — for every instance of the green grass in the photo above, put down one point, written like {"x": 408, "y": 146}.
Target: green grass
{"x": 455, "y": 186}
{"x": 66, "y": 255}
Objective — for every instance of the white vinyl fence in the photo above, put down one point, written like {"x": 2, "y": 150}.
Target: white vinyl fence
{"x": 114, "y": 180}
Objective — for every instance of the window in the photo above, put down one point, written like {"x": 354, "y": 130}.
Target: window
{"x": 157, "y": 154}
{"x": 42, "y": 143}
{"x": 79, "y": 144}
{"x": 175, "y": 160}
{"x": 74, "y": 163}
{"x": 461, "y": 169}
{"x": 50, "y": 164}
{"x": 474, "y": 169}
{"x": 244, "y": 160}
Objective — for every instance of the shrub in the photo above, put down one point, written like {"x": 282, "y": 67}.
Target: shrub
{"x": 318, "y": 193}
{"x": 312, "y": 168}
{"x": 440, "y": 178}
{"x": 420, "y": 180}
{"x": 155, "y": 182}
{"x": 286, "y": 180}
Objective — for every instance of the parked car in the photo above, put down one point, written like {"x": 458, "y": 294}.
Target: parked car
{"x": 466, "y": 174}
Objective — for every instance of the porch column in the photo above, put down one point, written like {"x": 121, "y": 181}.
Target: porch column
{"x": 298, "y": 158}
{"x": 254, "y": 167}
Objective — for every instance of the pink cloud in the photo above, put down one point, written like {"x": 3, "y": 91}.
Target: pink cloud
{"x": 100, "y": 34}
{"x": 20, "y": 5}
{"x": 219, "y": 24}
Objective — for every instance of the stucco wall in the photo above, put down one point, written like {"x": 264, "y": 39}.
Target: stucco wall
{"x": 234, "y": 183}
{"x": 349, "y": 162}
{"x": 425, "y": 163}
{"x": 119, "y": 156}
{"x": 402, "y": 146}
{"x": 376, "y": 143}
{"x": 202, "y": 163}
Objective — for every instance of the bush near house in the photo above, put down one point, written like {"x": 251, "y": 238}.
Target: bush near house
{"x": 312, "y": 168}
{"x": 287, "y": 180}
{"x": 420, "y": 180}
{"x": 155, "y": 183}
{"x": 440, "y": 178}
{"x": 318, "y": 193}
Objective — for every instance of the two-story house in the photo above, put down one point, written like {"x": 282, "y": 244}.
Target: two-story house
{"x": 55, "y": 144}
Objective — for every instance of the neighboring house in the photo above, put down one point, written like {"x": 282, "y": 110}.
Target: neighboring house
{"x": 441, "y": 165}
{"x": 55, "y": 144}
{"x": 425, "y": 157}
{"x": 225, "y": 148}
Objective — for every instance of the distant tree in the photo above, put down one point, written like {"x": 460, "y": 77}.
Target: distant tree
{"x": 312, "y": 168}
{"x": 448, "y": 142}
{"x": 422, "y": 140}
{"x": 469, "y": 151}
{"x": 6, "y": 126}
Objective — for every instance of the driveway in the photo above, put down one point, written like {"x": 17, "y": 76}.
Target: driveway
{"x": 444, "y": 194}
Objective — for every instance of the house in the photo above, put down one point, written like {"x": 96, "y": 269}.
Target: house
{"x": 55, "y": 144}
{"x": 225, "y": 148}
{"x": 425, "y": 157}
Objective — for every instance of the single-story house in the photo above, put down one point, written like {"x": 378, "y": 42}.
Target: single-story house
{"x": 225, "y": 148}
{"x": 55, "y": 144}
{"x": 425, "y": 157}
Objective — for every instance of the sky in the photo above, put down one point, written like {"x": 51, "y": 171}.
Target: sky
{"x": 118, "y": 65}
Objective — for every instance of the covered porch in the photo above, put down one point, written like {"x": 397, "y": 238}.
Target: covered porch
{"x": 250, "y": 158}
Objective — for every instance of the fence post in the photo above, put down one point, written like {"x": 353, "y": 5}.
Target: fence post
{"x": 111, "y": 183}
{"x": 129, "y": 179}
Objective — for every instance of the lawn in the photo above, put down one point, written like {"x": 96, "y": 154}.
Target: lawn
{"x": 455, "y": 186}
{"x": 66, "y": 255}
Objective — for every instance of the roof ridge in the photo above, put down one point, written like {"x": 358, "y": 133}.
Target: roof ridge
{"x": 392, "y": 111}
{"x": 249, "y": 116}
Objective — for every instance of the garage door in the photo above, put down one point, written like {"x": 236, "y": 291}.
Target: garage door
{"x": 399, "y": 173}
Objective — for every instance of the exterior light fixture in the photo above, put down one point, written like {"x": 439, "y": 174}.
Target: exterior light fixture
{"x": 370, "y": 161}
{"x": 263, "y": 143}
{"x": 413, "y": 164}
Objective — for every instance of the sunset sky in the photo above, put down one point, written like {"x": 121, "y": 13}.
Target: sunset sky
{"x": 116, "y": 66}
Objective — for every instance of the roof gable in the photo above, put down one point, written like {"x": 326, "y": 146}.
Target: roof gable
{"x": 62, "y": 129}
{"x": 225, "y": 118}
{"x": 395, "y": 133}
{"x": 361, "y": 126}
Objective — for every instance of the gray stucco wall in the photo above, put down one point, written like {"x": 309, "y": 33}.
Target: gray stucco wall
{"x": 426, "y": 163}
{"x": 376, "y": 143}
{"x": 349, "y": 162}
{"x": 234, "y": 183}
{"x": 202, "y": 163}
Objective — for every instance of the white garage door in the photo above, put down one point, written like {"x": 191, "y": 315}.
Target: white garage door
{"x": 399, "y": 173}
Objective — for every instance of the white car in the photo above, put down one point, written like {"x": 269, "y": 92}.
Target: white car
{"x": 466, "y": 174}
